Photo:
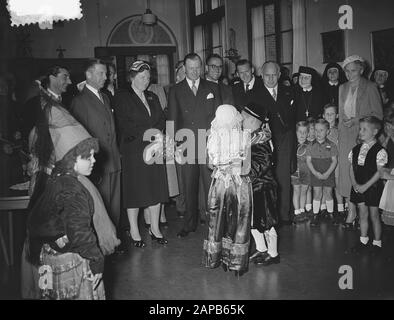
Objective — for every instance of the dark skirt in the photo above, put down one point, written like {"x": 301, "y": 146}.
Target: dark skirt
{"x": 143, "y": 185}
{"x": 265, "y": 212}
{"x": 229, "y": 214}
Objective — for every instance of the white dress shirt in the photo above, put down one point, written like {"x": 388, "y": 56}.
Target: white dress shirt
{"x": 190, "y": 83}
{"x": 95, "y": 91}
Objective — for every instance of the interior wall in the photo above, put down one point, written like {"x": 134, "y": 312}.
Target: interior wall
{"x": 79, "y": 37}
{"x": 368, "y": 16}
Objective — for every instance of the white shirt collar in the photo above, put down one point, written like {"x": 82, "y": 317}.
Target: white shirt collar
{"x": 214, "y": 81}
{"x": 94, "y": 90}
{"x": 369, "y": 144}
{"x": 57, "y": 96}
{"x": 271, "y": 90}
{"x": 333, "y": 83}
{"x": 307, "y": 90}
{"x": 190, "y": 82}
{"x": 250, "y": 83}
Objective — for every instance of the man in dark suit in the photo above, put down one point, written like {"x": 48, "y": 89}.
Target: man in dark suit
{"x": 92, "y": 109}
{"x": 213, "y": 68}
{"x": 191, "y": 105}
{"x": 278, "y": 101}
{"x": 248, "y": 89}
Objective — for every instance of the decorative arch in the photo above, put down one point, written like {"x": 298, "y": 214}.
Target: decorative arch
{"x": 132, "y": 32}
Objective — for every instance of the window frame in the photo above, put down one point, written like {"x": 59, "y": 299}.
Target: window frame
{"x": 278, "y": 32}
{"x": 206, "y": 19}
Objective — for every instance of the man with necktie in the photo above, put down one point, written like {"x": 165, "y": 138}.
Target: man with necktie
{"x": 277, "y": 100}
{"x": 191, "y": 105}
{"x": 248, "y": 90}
{"x": 92, "y": 109}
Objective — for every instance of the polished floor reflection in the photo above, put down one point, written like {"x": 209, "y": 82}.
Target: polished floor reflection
{"x": 309, "y": 268}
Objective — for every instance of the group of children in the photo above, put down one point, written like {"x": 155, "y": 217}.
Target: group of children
{"x": 317, "y": 174}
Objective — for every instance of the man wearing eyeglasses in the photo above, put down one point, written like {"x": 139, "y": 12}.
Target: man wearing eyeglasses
{"x": 214, "y": 68}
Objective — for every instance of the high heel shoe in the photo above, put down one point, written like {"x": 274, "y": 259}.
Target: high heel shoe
{"x": 161, "y": 240}
{"x": 138, "y": 243}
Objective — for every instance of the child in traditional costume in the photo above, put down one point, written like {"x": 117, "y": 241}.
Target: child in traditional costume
{"x": 265, "y": 212}
{"x": 65, "y": 240}
{"x": 230, "y": 194}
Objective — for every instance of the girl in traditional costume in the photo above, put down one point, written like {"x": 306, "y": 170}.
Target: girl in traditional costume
{"x": 68, "y": 228}
{"x": 230, "y": 194}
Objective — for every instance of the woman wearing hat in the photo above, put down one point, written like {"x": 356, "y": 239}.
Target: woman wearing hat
{"x": 358, "y": 98}
{"x": 144, "y": 185}
{"x": 333, "y": 77}
{"x": 309, "y": 99}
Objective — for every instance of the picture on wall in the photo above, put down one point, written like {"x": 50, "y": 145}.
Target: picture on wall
{"x": 333, "y": 46}
{"x": 383, "y": 48}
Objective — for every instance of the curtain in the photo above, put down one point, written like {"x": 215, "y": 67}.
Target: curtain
{"x": 258, "y": 45}
{"x": 299, "y": 35}
{"x": 163, "y": 70}
{"x": 143, "y": 57}
{"x": 199, "y": 41}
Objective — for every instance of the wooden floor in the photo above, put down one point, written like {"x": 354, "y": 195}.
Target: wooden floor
{"x": 311, "y": 258}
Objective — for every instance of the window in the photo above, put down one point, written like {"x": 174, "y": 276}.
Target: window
{"x": 271, "y": 36}
{"x": 208, "y": 27}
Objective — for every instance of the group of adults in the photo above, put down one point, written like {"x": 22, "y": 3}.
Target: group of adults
{"x": 120, "y": 119}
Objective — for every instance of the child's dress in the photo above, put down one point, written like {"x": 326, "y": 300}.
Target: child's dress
{"x": 229, "y": 201}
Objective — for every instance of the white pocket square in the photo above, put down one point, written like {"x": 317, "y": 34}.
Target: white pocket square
{"x": 210, "y": 96}
{"x": 291, "y": 102}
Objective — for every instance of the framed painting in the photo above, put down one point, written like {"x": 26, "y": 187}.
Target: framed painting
{"x": 333, "y": 46}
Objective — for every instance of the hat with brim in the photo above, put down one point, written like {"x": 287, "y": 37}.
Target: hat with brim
{"x": 351, "y": 59}
{"x": 249, "y": 110}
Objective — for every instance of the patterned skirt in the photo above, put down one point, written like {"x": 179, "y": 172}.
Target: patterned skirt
{"x": 67, "y": 276}
{"x": 230, "y": 204}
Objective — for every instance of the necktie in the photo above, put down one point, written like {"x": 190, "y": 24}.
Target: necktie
{"x": 247, "y": 87}
{"x": 274, "y": 94}
{"x": 101, "y": 97}
{"x": 194, "y": 88}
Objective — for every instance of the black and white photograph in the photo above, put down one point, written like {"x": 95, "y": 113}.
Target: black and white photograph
{"x": 197, "y": 157}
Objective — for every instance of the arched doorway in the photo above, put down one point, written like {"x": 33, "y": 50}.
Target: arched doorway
{"x": 130, "y": 40}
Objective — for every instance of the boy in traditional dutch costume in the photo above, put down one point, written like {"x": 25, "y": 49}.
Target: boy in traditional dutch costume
{"x": 265, "y": 216}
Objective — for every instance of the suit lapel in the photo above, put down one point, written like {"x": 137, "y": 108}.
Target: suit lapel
{"x": 138, "y": 102}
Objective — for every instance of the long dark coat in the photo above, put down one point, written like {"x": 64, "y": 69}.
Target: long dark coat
{"x": 143, "y": 184}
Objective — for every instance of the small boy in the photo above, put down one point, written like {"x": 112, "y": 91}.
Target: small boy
{"x": 311, "y": 138}
{"x": 331, "y": 115}
{"x": 321, "y": 158}
{"x": 300, "y": 180}
{"x": 265, "y": 213}
{"x": 366, "y": 160}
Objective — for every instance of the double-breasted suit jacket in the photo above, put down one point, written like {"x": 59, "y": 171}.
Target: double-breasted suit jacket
{"x": 143, "y": 184}
{"x": 193, "y": 112}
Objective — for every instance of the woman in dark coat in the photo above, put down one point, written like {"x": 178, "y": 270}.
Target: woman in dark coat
{"x": 333, "y": 77}
{"x": 144, "y": 185}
